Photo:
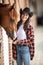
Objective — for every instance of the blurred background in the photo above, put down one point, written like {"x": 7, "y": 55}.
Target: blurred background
{"x": 36, "y": 21}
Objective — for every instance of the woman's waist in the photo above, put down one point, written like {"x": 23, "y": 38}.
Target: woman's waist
{"x": 20, "y": 45}
{"x": 23, "y": 47}
{"x": 21, "y": 38}
{"x": 23, "y": 42}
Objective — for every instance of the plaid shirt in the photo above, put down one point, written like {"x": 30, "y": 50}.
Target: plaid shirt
{"x": 29, "y": 42}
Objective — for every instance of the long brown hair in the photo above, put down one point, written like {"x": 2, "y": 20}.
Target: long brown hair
{"x": 26, "y": 24}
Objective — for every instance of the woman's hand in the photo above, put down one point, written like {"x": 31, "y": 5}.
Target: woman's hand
{"x": 16, "y": 42}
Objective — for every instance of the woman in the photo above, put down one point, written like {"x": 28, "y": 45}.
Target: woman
{"x": 25, "y": 38}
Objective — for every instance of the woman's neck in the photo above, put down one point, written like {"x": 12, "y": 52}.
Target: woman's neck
{"x": 23, "y": 22}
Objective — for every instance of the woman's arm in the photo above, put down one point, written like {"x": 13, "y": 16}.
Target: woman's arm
{"x": 32, "y": 43}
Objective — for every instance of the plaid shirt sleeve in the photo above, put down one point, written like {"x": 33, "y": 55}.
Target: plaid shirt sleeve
{"x": 30, "y": 40}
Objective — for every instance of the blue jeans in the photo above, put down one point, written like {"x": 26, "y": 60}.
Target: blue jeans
{"x": 23, "y": 55}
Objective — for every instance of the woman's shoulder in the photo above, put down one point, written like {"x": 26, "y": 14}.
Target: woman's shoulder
{"x": 30, "y": 26}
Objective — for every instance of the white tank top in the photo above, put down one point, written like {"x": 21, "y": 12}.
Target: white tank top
{"x": 21, "y": 35}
